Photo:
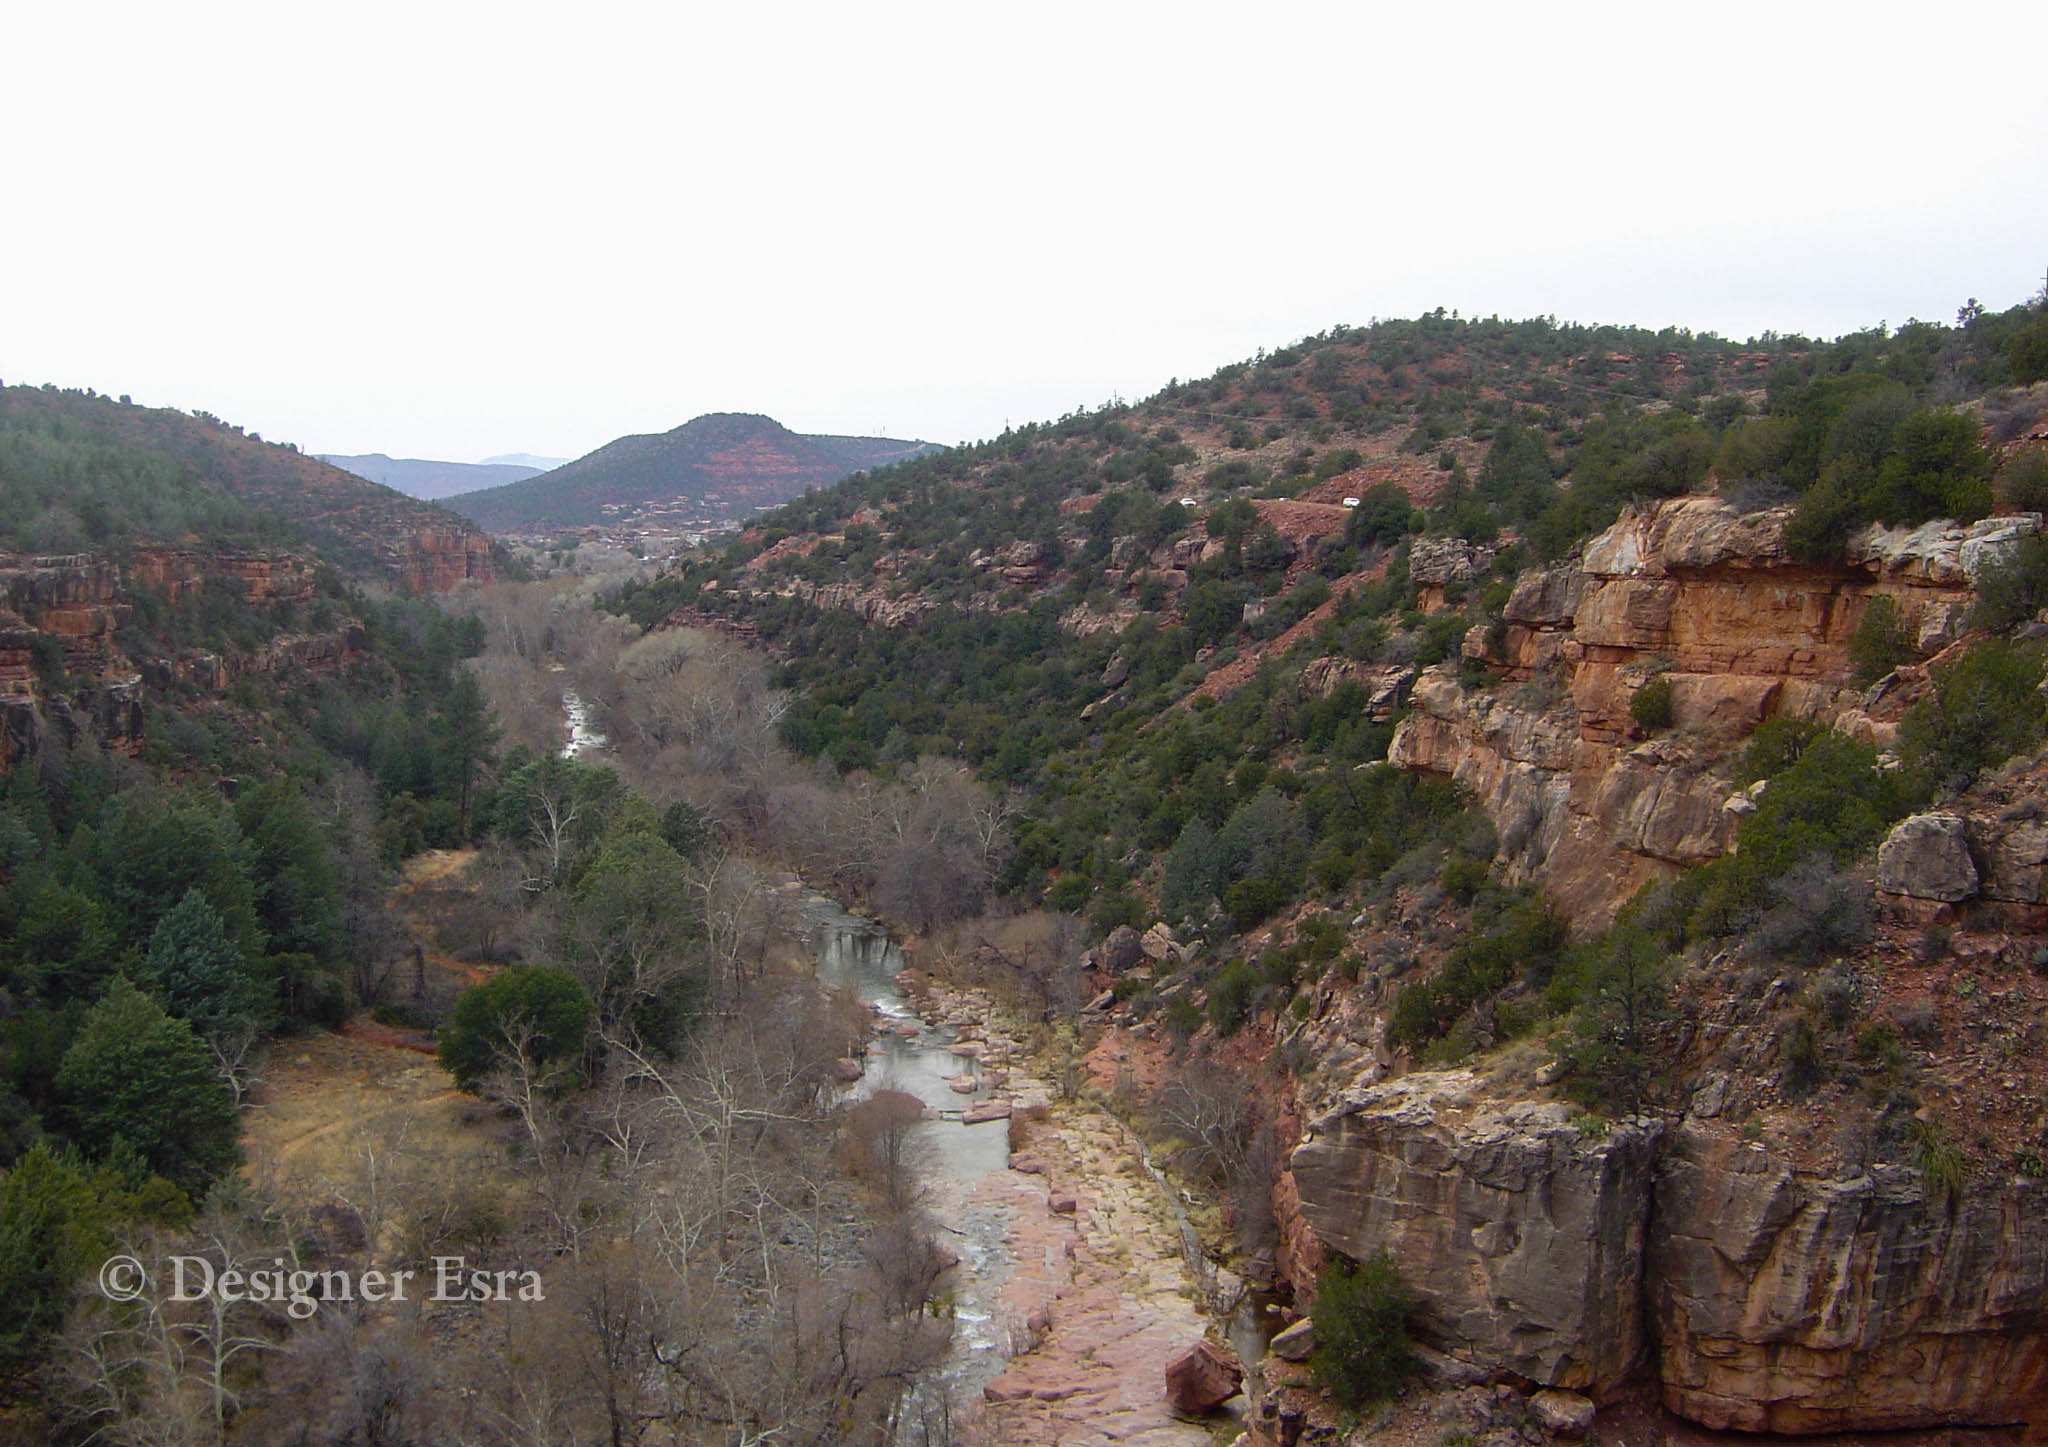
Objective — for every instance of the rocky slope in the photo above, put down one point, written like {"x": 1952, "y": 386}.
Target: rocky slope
{"x": 1816, "y": 1222}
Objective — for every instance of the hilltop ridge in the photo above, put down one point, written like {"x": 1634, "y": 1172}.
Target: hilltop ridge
{"x": 719, "y": 467}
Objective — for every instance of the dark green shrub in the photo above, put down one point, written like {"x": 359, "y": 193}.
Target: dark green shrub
{"x": 1878, "y": 1044}
{"x": 135, "y": 1079}
{"x": 1425, "y": 1010}
{"x": 1985, "y": 708}
{"x": 1775, "y": 747}
{"x": 1362, "y": 1352}
{"x": 1618, "y": 984}
{"x": 1070, "y": 894}
{"x": 2028, "y": 352}
{"x": 1651, "y": 706}
{"x": 1230, "y": 996}
{"x": 1462, "y": 877}
{"x": 1880, "y": 643}
{"x": 686, "y": 830}
{"x": 530, "y": 1015}
{"x": 2015, "y": 590}
{"x": 1384, "y": 516}
{"x": 2023, "y": 481}
{"x": 1833, "y": 802}
{"x": 1113, "y": 907}
{"x": 1799, "y": 1050}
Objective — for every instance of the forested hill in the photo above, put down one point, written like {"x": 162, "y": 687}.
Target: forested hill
{"x": 81, "y": 471}
{"x": 721, "y": 465}
{"x": 1076, "y": 585}
{"x": 1524, "y": 436}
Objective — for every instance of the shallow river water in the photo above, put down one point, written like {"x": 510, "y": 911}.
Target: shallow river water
{"x": 857, "y": 955}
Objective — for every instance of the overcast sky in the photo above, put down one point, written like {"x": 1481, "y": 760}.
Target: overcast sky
{"x": 447, "y": 231}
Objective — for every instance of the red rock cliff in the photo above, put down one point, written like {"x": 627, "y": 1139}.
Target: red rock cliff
{"x": 1708, "y": 598}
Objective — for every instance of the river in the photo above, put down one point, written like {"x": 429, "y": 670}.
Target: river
{"x": 584, "y": 735}
{"x": 856, "y": 955}
{"x": 1085, "y": 1239}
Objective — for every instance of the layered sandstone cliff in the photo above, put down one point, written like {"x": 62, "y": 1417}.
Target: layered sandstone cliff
{"x": 1790, "y": 1300}
{"x": 1521, "y": 1235}
{"x": 437, "y": 560}
{"x": 256, "y": 576}
{"x": 1708, "y": 599}
{"x": 1759, "y": 1294}
{"x": 74, "y": 598}
{"x": 79, "y": 601}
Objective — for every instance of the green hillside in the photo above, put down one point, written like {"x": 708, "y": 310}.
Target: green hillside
{"x": 79, "y": 470}
{"x": 1070, "y": 604}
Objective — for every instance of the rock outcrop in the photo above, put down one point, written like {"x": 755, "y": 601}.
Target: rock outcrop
{"x": 866, "y": 604}
{"x": 1788, "y": 1301}
{"x": 1521, "y": 1235}
{"x": 436, "y": 560}
{"x": 78, "y": 601}
{"x": 75, "y": 598}
{"x": 1766, "y": 1296}
{"x": 256, "y": 577}
{"x": 1709, "y": 600}
{"x": 1928, "y": 857}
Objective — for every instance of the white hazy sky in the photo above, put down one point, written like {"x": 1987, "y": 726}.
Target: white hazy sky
{"x": 449, "y": 230}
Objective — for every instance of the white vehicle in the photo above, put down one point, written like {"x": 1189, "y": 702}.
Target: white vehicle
{"x": 1351, "y": 502}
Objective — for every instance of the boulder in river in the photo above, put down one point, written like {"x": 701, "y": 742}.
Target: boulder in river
{"x": 1202, "y": 1378}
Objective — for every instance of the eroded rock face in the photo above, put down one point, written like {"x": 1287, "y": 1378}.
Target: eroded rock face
{"x": 1791, "y": 1302}
{"x": 255, "y": 576}
{"x": 1707, "y": 598}
{"x": 1771, "y": 1297}
{"x": 75, "y": 598}
{"x": 1521, "y": 1236}
{"x": 865, "y": 604}
{"x": 436, "y": 560}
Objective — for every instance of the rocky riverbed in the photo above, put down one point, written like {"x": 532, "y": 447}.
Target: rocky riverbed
{"x": 1098, "y": 1299}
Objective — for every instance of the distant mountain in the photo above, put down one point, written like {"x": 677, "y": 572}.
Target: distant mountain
{"x": 424, "y": 478}
{"x": 725, "y": 465}
{"x": 80, "y": 471}
{"x": 525, "y": 459}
